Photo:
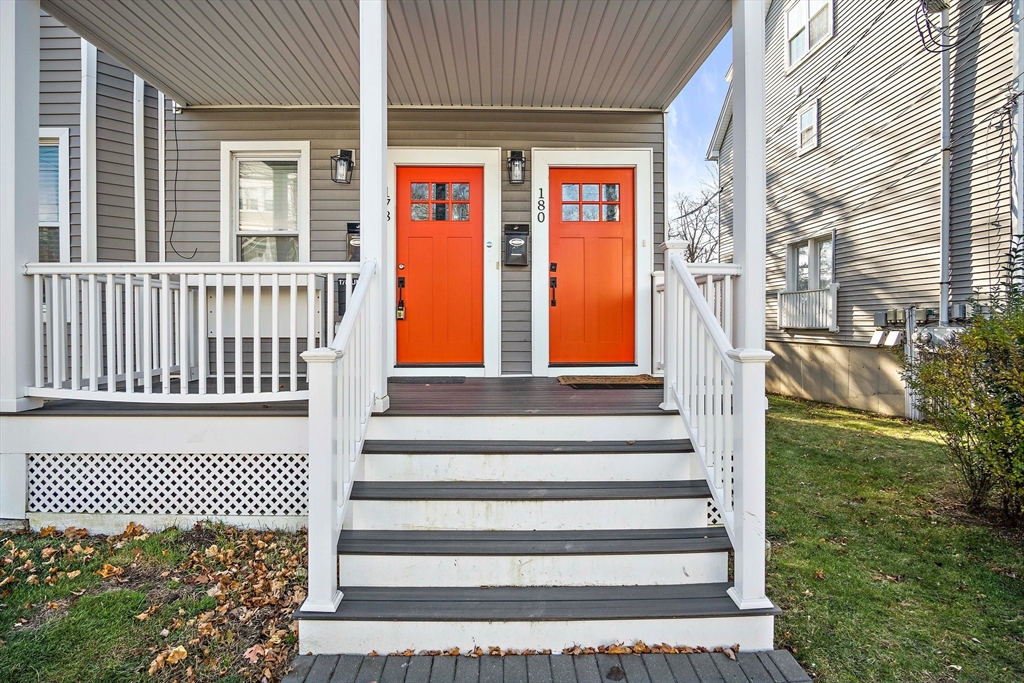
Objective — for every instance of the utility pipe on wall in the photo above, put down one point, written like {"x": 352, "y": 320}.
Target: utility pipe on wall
{"x": 946, "y": 159}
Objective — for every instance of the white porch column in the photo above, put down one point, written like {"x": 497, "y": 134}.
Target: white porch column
{"x": 19, "y": 196}
{"x": 373, "y": 179}
{"x": 749, "y": 251}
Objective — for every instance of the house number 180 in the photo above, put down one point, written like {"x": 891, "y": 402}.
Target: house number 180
{"x": 541, "y": 206}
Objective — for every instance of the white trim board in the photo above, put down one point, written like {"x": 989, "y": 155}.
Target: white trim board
{"x": 87, "y": 153}
{"x": 62, "y": 137}
{"x": 253, "y": 148}
{"x": 642, "y": 161}
{"x": 139, "y": 146}
{"x": 491, "y": 160}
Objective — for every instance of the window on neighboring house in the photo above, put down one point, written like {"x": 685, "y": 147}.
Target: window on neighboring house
{"x": 268, "y": 218}
{"x": 810, "y": 264}
{"x": 54, "y": 196}
{"x": 807, "y": 128}
{"x": 808, "y": 26}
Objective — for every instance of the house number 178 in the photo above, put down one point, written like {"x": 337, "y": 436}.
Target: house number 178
{"x": 541, "y": 206}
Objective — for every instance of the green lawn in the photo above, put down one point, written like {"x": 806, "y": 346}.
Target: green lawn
{"x": 880, "y": 575}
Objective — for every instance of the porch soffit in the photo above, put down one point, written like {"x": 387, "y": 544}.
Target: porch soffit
{"x": 443, "y": 53}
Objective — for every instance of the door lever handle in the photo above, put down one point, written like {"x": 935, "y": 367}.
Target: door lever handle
{"x": 554, "y": 290}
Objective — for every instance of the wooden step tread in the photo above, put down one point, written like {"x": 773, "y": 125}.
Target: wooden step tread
{"x": 501, "y": 447}
{"x": 520, "y": 543}
{"x": 536, "y": 603}
{"x": 529, "y": 490}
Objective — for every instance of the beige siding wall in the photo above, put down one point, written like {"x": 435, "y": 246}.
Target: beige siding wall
{"x": 725, "y": 196}
{"x": 193, "y": 175}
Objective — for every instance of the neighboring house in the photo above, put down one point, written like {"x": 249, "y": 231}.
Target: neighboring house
{"x": 855, "y": 177}
{"x": 381, "y": 231}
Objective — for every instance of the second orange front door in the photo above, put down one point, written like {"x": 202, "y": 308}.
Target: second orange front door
{"x": 592, "y": 270}
{"x": 439, "y": 233}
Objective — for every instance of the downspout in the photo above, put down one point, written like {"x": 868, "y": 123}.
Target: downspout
{"x": 944, "y": 275}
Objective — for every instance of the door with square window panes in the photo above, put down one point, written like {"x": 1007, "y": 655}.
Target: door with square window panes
{"x": 592, "y": 274}
{"x": 810, "y": 264}
{"x": 439, "y": 304}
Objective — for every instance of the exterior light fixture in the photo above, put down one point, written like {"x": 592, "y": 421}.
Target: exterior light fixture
{"x": 516, "y": 168}
{"x": 342, "y": 166}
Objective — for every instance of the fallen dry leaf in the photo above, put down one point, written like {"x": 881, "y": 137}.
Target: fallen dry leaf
{"x": 254, "y": 653}
{"x": 176, "y": 655}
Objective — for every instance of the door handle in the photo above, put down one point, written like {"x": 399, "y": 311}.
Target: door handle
{"x": 554, "y": 291}
{"x": 400, "y": 309}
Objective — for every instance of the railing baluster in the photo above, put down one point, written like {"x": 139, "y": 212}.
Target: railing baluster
{"x": 202, "y": 336}
{"x": 76, "y": 373}
{"x": 257, "y": 338}
{"x": 165, "y": 333}
{"x": 184, "y": 347}
{"x": 293, "y": 344}
{"x": 118, "y": 329}
{"x": 110, "y": 337}
{"x": 37, "y": 318}
{"x": 129, "y": 333}
{"x": 219, "y": 321}
{"x": 146, "y": 322}
{"x": 275, "y": 334}
{"x": 92, "y": 348}
{"x": 329, "y": 313}
{"x": 239, "y": 341}
{"x": 311, "y": 324}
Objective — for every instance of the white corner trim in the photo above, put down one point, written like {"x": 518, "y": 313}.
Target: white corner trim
{"x": 63, "y": 137}
{"x": 87, "y": 151}
{"x": 139, "y": 138}
{"x": 491, "y": 160}
{"x": 162, "y": 175}
{"x": 642, "y": 160}
{"x": 254, "y": 148}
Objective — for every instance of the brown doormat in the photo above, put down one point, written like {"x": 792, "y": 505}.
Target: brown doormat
{"x": 611, "y": 381}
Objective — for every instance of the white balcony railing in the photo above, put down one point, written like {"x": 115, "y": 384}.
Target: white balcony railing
{"x": 809, "y": 309}
{"x": 341, "y": 400}
{"x": 182, "y": 333}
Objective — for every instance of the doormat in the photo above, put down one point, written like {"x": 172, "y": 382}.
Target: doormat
{"x": 426, "y": 380}
{"x": 611, "y": 381}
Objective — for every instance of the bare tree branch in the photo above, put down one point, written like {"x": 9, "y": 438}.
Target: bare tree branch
{"x": 694, "y": 220}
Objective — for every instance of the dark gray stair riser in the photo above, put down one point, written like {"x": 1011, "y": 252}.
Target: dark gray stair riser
{"x": 529, "y": 490}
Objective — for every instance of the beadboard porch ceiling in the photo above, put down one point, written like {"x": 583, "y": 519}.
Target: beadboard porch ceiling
{"x": 443, "y": 53}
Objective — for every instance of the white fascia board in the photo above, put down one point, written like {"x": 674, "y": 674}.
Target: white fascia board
{"x": 724, "y": 118}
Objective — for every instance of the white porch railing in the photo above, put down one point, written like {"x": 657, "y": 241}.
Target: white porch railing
{"x": 340, "y": 404}
{"x": 809, "y": 309}
{"x": 181, "y": 333}
{"x": 715, "y": 386}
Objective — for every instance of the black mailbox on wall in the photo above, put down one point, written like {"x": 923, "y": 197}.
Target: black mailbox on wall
{"x": 352, "y": 242}
{"x": 517, "y": 236}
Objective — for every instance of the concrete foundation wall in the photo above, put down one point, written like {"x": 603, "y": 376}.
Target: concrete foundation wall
{"x": 858, "y": 377}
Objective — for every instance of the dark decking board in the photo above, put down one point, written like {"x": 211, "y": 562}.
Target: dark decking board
{"x": 519, "y": 396}
{"x": 535, "y": 603}
{"x": 525, "y": 543}
{"x": 529, "y": 490}
{"x": 444, "y": 447}
{"x": 651, "y": 668}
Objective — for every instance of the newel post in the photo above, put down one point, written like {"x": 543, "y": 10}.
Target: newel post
{"x": 324, "y": 521}
{"x": 670, "y": 321}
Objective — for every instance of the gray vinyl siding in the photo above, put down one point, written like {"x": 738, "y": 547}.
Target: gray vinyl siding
{"x": 151, "y": 122}
{"x": 725, "y": 196}
{"x": 115, "y": 161}
{"x": 193, "y": 175}
{"x": 980, "y": 179}
{"x": 60, "y": 96}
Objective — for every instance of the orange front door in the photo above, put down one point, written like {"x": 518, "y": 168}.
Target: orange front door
{"x": 592, "y": 302}
{"x": 439, "y": 287}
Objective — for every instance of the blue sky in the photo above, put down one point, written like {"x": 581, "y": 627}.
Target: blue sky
{"x": 691, "y": 123}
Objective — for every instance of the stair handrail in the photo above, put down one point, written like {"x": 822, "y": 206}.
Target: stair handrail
{"x": 341, "y": 401}
{"x": 716, "y": 387}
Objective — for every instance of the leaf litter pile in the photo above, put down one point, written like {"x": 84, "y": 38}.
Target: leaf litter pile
{"x": 216, "y": 602}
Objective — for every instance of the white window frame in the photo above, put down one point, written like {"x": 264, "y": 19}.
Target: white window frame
{"x": 230, "y": 153}
{"x": 813, "y": 274}
{"x": 830, "y": 10}
{"x": 802, "y": 148}
{"x": 61, "y": 137}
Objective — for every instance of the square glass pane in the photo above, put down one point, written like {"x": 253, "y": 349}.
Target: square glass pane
{"x": 592, "y": 193}
{"x": 49, "y": 183}
{"x": 421, "y": 212}
{"x": 440, "y": 191}
{"x": 420, "y": 192}
{"x": 570, "y": 212}
{"x": 570, "y": 193}
{"x": 824, "y": 263}
{"x": 611, "y": 192}
{"x": 801, "y": 268}
{"x": 460, "y": 191}
{"x": 440, "y": 212}
{"x": 49, "y": 244}
{"x": 460, "y": 212}
{"x": 268, "y": 195}
{"x": 591, "y": 212}
{"x": 268, "y": 247}
{"x": 611, "y": 212}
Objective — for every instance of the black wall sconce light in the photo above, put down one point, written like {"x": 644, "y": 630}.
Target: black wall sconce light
{"x": 516, "y": 168}
{"x": 342, "y": 165}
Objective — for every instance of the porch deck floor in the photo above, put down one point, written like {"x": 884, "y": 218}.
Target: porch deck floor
{"x": 476, "y": 396}
{"x": 774, "y": 666}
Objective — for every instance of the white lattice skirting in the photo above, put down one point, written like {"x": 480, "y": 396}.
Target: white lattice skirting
{"x": 215, "y": 485}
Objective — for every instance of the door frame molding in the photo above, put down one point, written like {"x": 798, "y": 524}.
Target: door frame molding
{"x": 490, "y": 159}
{"x": 642, "y": 161}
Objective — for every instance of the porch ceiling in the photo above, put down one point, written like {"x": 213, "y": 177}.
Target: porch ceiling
{"x": 456, "y": 53}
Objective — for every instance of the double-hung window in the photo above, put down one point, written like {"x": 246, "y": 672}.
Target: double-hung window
{"x": 809, "y": 301}
{"x": 808, "y": 26}
{"x": 267, "y": 204}
{"x": 810, "y": 264}
{"x": 54, "y": 196}
{"x": 807, "y": 127}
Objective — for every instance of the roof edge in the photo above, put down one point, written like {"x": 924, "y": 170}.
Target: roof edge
{"x": 724, "y": 119}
